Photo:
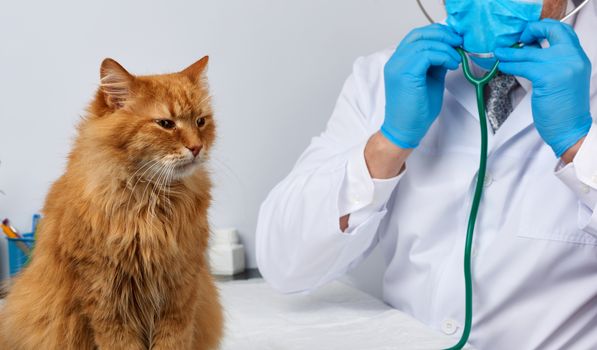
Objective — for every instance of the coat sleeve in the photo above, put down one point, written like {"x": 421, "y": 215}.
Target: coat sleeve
{"x": 299, "y": 242}
{"x": 581, "y": 175}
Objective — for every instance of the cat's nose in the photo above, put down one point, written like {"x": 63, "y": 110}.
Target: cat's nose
{"x": 195, "y": 149}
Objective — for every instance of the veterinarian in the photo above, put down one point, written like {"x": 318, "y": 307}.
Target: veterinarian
{"x": 396, "y": 169}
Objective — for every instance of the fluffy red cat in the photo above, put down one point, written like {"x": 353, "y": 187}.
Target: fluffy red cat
{"x": 120, "y": 259}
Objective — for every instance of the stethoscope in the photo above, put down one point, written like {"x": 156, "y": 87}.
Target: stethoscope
{"x": 479, "y": 84}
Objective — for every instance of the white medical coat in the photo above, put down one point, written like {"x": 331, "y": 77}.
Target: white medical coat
{"x": 535, "y": 246}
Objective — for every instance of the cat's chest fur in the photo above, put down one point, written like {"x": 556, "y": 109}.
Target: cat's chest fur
{"x": 145, "y": 245}
{"x": 145, "y": 256}
{"x": 159, "y": 237}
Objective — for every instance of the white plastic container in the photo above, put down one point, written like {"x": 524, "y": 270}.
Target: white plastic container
{"x": 226, "y": 254}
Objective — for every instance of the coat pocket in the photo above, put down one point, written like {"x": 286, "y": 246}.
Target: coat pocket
{"x": 551, "y": 211}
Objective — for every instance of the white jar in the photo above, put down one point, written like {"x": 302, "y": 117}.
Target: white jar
{"x": 226, "y": 254}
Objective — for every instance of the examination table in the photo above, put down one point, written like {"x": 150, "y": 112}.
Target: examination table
{"x": 336, "y": 316}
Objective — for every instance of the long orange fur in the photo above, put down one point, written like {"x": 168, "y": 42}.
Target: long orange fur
{"x": 120, "y": 258}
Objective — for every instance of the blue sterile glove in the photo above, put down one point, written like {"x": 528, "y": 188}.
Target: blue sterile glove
{"x": 561, "y": 77}
{"x": 414, "y": 82}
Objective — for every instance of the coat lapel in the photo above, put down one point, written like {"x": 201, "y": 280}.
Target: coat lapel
{"x": 464, "y": 93}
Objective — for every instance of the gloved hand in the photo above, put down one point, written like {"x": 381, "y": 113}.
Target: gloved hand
{"x": 414, "y": 82}
{"x": 561, "y": 77}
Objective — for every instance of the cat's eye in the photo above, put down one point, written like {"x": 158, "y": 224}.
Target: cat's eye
{"x": 165, "y": 123}
{"x": 201, "y": 122}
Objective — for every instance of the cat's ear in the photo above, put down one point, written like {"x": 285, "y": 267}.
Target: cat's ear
{"x": 196, "y": 71}
{"x": 115, "y": 83}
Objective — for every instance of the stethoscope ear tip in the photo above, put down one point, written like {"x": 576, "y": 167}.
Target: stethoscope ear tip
{"x": 466, "y": 68}
{"x": 481, "y": 55}
{"x": 489, "y": 55}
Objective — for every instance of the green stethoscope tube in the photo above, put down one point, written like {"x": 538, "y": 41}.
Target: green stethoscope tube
{"x": 479, "y": 84}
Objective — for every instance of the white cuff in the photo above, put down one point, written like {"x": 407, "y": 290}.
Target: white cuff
{"x": 580, "y": 176}
{"x": 585, "y": 161}
{"x": 360, "y": 195}
{"x": 585, "y": 193}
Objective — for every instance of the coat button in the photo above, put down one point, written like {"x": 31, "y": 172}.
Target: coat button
{"x": 585, "y": 189}
{"x": 450, "y": 327}
{"x": 488, "y": 180}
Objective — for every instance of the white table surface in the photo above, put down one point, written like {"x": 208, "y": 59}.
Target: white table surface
{"x": 335, "y": 317}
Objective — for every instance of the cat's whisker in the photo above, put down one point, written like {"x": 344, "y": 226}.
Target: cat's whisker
{"x": 169, "y": 189}
{"x": 151, "y": 161}
{"x": 227, "y": 169}
{"x": 170, "y": 179}
{"x": 127, "y": 184}
{"x": 161, "y": 183}
{"x": 132, "y": 177}
{"x": 153, "y": 198}
{"x": 162, "y": 187}
{"x": 147, "y": 166}
{"x": 133, "y": 189}
{"x": 207, "y": 98}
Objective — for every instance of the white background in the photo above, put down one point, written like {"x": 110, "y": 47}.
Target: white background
{"x": 276, "y": 69}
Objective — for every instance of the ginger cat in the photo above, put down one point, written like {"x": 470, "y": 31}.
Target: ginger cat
{"x": 120, "y": 258}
